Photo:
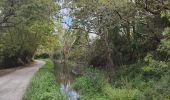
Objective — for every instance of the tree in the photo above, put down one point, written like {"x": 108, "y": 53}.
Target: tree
{"x": 124, "y": 27}
{"x": 26, "y": 25}
{"x": 67, "y": 39}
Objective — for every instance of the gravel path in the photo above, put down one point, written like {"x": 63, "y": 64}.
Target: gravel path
{"x": 13, "y": 85}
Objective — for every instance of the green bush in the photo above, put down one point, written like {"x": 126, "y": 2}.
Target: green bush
{"x": 150, "y": 84}
{"x": 129, "y": 76}
{"x": 91, "y": 82}
{"x": 160, "y": 91}
{"x": 94, "y": 86}
{"x": 90, "y": 85}
{"x": 122, "y": 94}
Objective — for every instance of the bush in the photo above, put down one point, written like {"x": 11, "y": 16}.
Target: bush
{"x": 91, "y": 82}
{"x": 129, "y": 76}
{"x": 94, "y": 86}
{"x": 122, "y": 94}
{"x": 151, "y": 85}
{"x": 160, "y": 91}
{"x": 42, "y": 56}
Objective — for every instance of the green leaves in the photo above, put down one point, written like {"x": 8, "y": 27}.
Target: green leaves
{"x": 166, "y": 13}
{"x": 155, "y": 66}
{"x": 33, "y": 26}
{"x": 166, "y": 31}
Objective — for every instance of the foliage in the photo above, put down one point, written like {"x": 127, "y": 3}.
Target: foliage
{"x": 154, "y": 66}
{"x": 79, "y": 52}
{"x": 122, "y": 94}
{"x": 152, "y": 85}
{"x": 92, "y": 82}
{"x": 160, "y": 91}
{"x": 93, "y": 85}
{"x": 43, "y": 85}
{"x": 123, "y": 28}
{"x": 25, "y": 26}
{"x": 48, "y": 45}
{"x": 132, "y": 43}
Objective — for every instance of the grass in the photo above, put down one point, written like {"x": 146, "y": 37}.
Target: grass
{"x": 43, "y": 85}
{"x": 94, "y": 86}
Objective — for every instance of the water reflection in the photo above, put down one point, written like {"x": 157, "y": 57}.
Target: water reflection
{"x": 65, "y": 77}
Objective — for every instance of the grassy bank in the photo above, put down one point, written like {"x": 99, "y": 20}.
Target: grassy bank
{"x": 43, "y": 85}
{"x": 94, "y": 86}
{"x": 127, "y": 84}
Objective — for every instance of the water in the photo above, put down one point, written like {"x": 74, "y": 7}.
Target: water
{"x": 70, "y": 93}
{"x": 65, "y": 77}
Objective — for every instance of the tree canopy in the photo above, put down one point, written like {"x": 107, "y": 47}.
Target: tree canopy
{"x": 127, "y": 39}
{"x": 25, "y": 26}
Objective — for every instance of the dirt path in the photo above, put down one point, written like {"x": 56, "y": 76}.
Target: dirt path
{"x": 13, "y": 85}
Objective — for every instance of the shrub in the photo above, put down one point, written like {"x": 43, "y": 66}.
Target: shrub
{"x": 122, "y": 94}
{"x": 150, "y": 84}
{"x": 94, "y": 86}
{"x": 160, "y": 91}
{"x": 91, "y": 82}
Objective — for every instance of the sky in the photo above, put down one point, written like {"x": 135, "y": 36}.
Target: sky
{"x": 67, "y": 20}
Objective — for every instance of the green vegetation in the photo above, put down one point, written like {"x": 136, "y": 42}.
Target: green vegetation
{"x": 131, "y": 46}
{"x": 126, "y": 43}
{"x": 26, "y": 26}
{"x": 94, "y": 86}
{"x": 130, "y": 83}
{"x": 43, "y": 85}
{"x": 150, "y": 84}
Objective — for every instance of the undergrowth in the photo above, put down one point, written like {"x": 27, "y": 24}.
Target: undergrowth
{"x": 43, "y": 85}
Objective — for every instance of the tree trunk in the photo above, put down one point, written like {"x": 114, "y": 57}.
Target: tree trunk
{"x": 110, "y": 64}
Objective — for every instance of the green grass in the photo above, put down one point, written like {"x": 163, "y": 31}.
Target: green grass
{"x": 43, "y": 85}
{"x": 94, "y": 86}
{"x": 121, "y": 93}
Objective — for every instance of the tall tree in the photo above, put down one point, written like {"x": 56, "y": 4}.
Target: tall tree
{"x": 24, "y": 24}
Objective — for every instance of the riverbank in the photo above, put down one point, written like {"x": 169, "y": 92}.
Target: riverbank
{"x": 43, "y": 85}
{"x": 125, "y": 85}
{"x": 93, "y": 85}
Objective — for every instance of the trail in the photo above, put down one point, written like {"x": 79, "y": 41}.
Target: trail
{"x": 13, "y": 85}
